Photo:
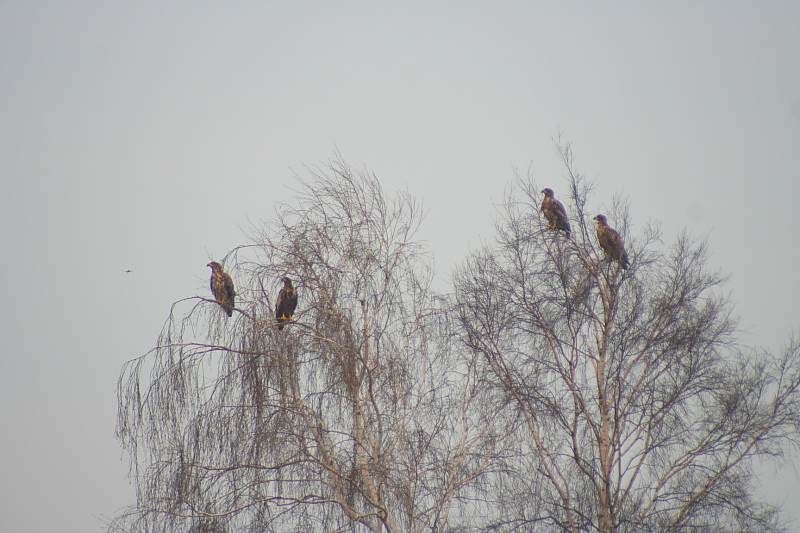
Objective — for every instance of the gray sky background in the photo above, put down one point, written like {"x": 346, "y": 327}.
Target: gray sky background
{"x": 146, "y": 136}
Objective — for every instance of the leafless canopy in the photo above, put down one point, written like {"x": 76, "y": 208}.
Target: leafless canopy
{"x": 553, "y": 391}
{"x": 633, "y": 407}
{"x": 356, "y": 417}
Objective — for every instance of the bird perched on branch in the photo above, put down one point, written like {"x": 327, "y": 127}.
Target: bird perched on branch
{"x": 286, "y": 303}
{"x": 554, "y": 212}
{"x": 222, "y": 287}
{"x": 611, "y": 242}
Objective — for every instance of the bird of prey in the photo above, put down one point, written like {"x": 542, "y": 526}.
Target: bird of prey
{"x": 554, "y": 212}
{"x": 222, "y": 287}
{"x": 611, "y": 242}
{"x": 286, "y": 303}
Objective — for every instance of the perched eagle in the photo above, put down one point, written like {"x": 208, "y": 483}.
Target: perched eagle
{"x": 611, "y": 242}
{"x": 286, "y": 304}
{"x": 222, "y": 287}
{"x": 554, "y": 212}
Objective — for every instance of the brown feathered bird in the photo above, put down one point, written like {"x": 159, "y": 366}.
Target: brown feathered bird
{"x": 554, "y": 212}
{"x": 222, "y": 287}
{"x": 611, "y": 242}
{"x": 286, "y": 303}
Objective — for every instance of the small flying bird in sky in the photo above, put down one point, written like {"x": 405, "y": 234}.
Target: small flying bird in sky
{"x": 128, "y": 271}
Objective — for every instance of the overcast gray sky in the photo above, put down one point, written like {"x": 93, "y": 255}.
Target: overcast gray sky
{"x": 146, "y": 135}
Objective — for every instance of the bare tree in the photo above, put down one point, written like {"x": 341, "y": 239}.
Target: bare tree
{"x": 357, "y": 416}
{"x": 633, "y": 406}
{"x": 554, "y": 392}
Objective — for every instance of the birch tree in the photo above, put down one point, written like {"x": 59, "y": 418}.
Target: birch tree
{"x": 633, "y": 406}
{"x": 358, "y": 416}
